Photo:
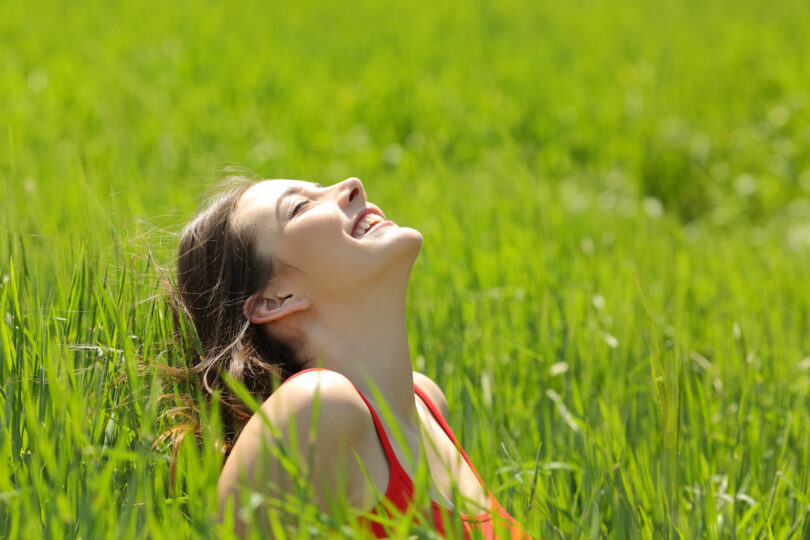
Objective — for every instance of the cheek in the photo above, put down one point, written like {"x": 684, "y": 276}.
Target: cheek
{"x": 317, "y": 243}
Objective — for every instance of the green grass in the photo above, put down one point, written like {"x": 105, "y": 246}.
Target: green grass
{"x": 615, "y": 201}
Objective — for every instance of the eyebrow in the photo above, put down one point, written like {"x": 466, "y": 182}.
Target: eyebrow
{"x": 286, "y": 193}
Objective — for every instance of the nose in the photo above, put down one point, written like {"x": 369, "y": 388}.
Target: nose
{"x": 351, "y": 190}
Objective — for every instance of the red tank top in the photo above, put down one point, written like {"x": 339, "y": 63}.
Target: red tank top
{"x": 492, "y": 525}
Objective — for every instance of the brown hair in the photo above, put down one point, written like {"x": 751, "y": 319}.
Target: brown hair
{"x": 217, "y": 270}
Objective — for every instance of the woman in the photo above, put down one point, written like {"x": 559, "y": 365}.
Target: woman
{"x": 292, "y": 281}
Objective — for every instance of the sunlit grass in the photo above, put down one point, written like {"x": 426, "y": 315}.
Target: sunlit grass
{"x": 612, "y": 292}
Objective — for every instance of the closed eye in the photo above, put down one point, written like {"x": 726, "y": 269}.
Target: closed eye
{"x": 298, "y": 207}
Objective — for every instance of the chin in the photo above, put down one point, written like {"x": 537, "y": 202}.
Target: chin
{"x": 400, "y": 251}
{"x": 411, "y": 239}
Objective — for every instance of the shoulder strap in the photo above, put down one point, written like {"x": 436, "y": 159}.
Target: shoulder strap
{"x": 386, "y": 443}
{"x": 434, "y": 410}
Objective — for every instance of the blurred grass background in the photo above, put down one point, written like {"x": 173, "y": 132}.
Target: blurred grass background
{"x": 615, "y": 199}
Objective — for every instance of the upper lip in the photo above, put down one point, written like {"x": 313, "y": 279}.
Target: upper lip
{"x": 363, "y": 213}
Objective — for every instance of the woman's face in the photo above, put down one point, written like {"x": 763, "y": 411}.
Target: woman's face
{"x": 329, "y": 238}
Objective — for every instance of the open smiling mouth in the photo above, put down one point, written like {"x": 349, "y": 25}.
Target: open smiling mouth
{"x": 368, "y": 222}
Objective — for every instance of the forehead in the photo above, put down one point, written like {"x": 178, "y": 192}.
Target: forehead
{"x": 259, "y": 204}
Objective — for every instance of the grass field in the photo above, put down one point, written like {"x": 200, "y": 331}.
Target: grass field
{"x": 613, "y": 288}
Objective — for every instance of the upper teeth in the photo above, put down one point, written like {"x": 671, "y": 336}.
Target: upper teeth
{"x": 368, "y": 221}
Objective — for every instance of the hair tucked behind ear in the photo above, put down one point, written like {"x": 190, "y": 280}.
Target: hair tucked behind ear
{"x": 217, "y": 270}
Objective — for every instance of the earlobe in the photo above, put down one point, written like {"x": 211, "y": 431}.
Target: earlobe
{"x": 261, "y": 309}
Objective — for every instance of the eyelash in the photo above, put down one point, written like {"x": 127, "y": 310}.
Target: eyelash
{"x": 298, "y": 208}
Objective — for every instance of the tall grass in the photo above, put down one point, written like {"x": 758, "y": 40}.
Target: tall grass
{"x": 612, "y": 292}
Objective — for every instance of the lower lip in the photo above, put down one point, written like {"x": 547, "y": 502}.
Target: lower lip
{"x": 377, "y": 226}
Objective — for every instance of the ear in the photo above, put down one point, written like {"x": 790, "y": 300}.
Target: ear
{"x": 263, "y": 308}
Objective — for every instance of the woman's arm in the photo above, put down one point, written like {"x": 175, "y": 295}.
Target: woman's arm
{"x": 433, "y": 391}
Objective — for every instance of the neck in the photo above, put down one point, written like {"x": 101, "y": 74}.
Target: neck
{"x": 366, "y": 340}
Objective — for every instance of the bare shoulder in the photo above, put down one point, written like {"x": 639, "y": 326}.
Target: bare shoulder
{"x": 325, "y": 400}
{"x": 327, "y": 394}
{"x": 429, "y": 387}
